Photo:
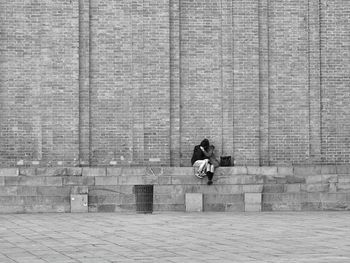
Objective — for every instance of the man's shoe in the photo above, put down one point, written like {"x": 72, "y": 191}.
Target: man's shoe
{"x": 200, "y": 176}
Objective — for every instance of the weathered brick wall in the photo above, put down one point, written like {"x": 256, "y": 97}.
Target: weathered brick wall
{"x": 335, "y": 81}
{"x": 130, "y": 94}
{"x": 142, "y": 82}
{"x": 39, "y": 81}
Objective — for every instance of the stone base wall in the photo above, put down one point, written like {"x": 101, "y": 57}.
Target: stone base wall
{"x": 111, "y": 189}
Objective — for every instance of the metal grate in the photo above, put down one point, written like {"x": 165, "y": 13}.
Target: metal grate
{"x": 144, "y": 198}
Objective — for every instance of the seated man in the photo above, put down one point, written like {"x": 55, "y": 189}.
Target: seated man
{"x": 200, "y": 161}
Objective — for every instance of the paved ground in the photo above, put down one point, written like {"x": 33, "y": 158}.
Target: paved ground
{"x": 176, "y": 237}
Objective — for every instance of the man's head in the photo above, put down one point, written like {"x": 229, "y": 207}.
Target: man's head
{"x": 205, "y": 143}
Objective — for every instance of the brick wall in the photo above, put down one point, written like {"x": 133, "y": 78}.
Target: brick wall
{"x": 39, "y": 81}
{"x": 142, "y": 82}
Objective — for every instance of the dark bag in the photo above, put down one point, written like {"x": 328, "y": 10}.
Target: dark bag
{"x": 225, "y": 161}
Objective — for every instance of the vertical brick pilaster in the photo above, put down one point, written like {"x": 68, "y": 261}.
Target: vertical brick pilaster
{"x": 246, "y": 82}
{"x": 227, "y": 77}
{"x": 264, "y": 81}
{"x": 175, "y": 87}
{"x": 84, "y": 82}
{"x": 314, "y": 81}
{"x": 137, "y": 82}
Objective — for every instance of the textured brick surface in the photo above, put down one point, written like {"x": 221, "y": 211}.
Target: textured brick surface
{"x": 141, "y": 82}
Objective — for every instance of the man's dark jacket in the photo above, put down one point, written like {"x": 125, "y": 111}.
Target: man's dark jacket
{"x": 197, "y": 154}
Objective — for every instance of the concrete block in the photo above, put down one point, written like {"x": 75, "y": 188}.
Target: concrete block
{"x": 9, "y": 172}
{"x": 306, "y": 170}
{"x": 114, "y": 171}
{"x": 11, "y": 200}
{"x": 315, "y": 187}
{"x": 328, "y": 169}
{"x": 128, "y": 199}
{"x": 273, "y": 188}
{"x": 344, "y": 178}
{"x": 169, "y": 199}
{"x": 164, "y": 180}
{"x": 137, "y": 179}
{"x": 292, "y": 198}
{"x": 283, "y": 171}
{"x": 154, "y": 171}
{"x": 74, "y": 171}
{"x": 343, "y": 169}
{"x": 25, "y": 171}
{"x": 311, "y": 206}
{"x": 52, "y": 191}
{"x": 78, "y": 189}
{"x": 11, "y": 209}
{"x": 210, "y": 207}
{"x": 222, "y": 198}
{"x": 24, "y": 190}
{"x": 79, "y": 180}
{"x": 294, "y": 179}
{"x": 313, "y": 197}
{"x": 79, "y": 203}
{"x": 8, "y": 190}
{"x": 106, "y": 180}
{"x": 252, "y": 188}
{"x": 33, "y": 181}
{"x": 133, "y": 171}
{"x": 252, "y": 198}
{"x": 235, "y": 207}
{"x": 252, "y": 207}
{"x": 314, "y": 179}
{"x": 2, "y": 180}
{"x": 94, "y": 171}
{"x": 292, "y": 188}
{"x": 169, "y": 207}
{"x": 343, "y": 187}
{"x": 268, "y": 170}
{"x": 335, "y": 206}
{"x": 241, "y": 179}
{"x": 253, "y": 170}
{"x": 178, "y": 171}
{"x": 57, "y": 171}
{"x": 105, "y": 199}
{"x": 194, "y": 202}
{"x": 330, "y": 178}
{"x": 183, "y": 180}
{"x": 106, "y": 208}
